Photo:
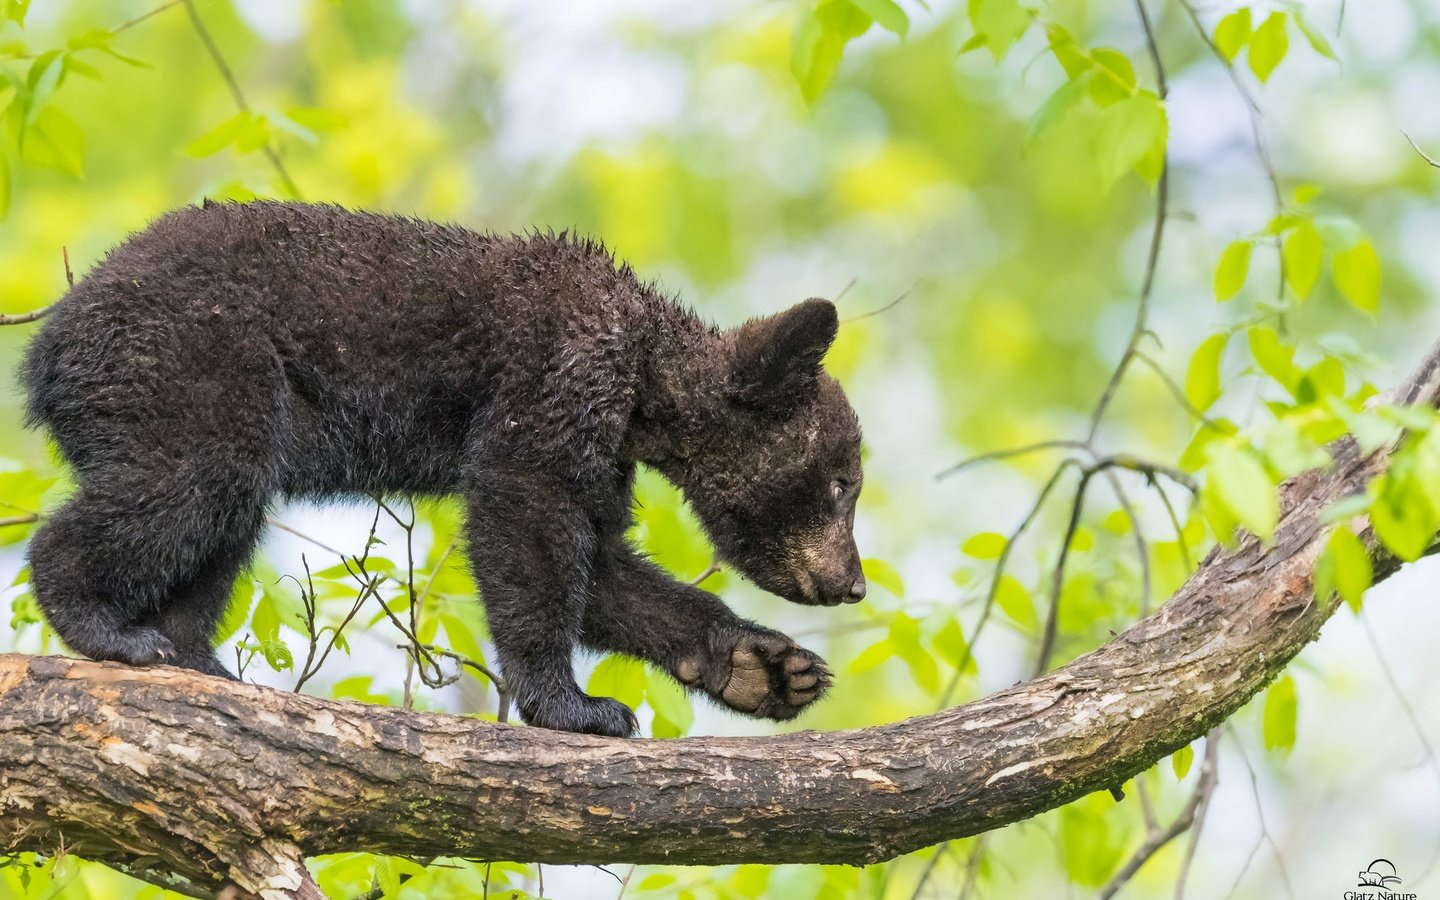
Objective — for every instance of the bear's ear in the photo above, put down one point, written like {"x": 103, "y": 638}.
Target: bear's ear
{"x": 780, "y": 355}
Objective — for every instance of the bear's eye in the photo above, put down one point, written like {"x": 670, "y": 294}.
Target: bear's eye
{"x": 838, "y": 489}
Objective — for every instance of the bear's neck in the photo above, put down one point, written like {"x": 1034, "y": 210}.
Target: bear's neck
{"x": 680, "y": 391}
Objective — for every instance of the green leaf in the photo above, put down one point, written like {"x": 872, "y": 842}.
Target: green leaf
{"x": 819, "y": 42}
{"x": 253, "y": 134}
{"x": 91, "y": 39}
{"x": 872, "y": 656}
{"x": 1066, "y": 51}
{"x": 1002, "y": 22}
{"x": 56, "y": 143}
{"x": 1303, "y": 252}
{"x": 1238, "y": 483}
{"x": 1280, "y": 715}
{"x": 985, "y": 545}
{"x": 887, "y": 14}
{"x": 1290, "y": 452}
{"x": 950, "y": 643}
{"x": 237, "y": 610}
{"x": 1057, "y": 107}
{"x": 1312, "y": 34}
{"x": 620, "y": 677}
{"x": 277, "y": 656}
{"x": 1180, "y": 761}
{"x": 1202, "y": 376}
{"x": 1354, "y": 573}
{"x": 1125, "y": 134}
{"x": 219, "y": 137}
{"x": 877, "y": 571}
{"x": 1268, "y": 45}
{"x": 1345, "y": 508}
{"x": 1274, "y": 357}
{"x": 1014, "y": 601}
{"x": 1114, "y": 76}
{"x": 1232, "y": 33}
{"x": 1357, "y": 275}
{"x": 4, "y": 187}
{"x": 1234, "y": 266}
{"x": 905, "y": 638}
{"x": 1404, "y": 513}
{"x": 673, "y": 712}
{"x": 43, "y": 77}
{"x": 315, "y": 119}
{"x": 14, "y": 11}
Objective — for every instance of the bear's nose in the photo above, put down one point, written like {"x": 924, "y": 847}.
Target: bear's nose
{"x": 857, "y": 589}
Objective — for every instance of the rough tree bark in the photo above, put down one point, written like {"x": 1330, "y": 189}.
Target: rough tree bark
{"x": 220, "y": 782}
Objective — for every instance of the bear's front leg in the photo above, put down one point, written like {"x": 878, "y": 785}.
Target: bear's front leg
{"x": 637, "y": 609}
{"x": 532, "y": 546}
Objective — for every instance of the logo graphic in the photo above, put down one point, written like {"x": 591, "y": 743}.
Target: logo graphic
{"x": 1380, "y": 873}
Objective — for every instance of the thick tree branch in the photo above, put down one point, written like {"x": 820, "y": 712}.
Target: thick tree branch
{"x": 215, "y": 780}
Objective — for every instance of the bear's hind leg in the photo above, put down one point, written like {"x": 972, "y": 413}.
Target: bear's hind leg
{"x": 92, "y": 609}
{"x": 190, "y": 613}
{"x": 137, "y": 566}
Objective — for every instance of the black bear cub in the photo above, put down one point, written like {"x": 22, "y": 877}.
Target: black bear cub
{"x": 236, "y": 353}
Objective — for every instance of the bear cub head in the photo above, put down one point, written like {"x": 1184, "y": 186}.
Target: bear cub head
{"x": 776, "y": 484}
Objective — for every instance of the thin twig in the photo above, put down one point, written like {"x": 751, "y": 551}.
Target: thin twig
{"x": 1177, "y": 391}
{"x": 712, "y": 569}
{"x": 22, "y": 318}
{"x": 625, "y": 882}
{"x": 1057, "y": 579}
{"x": 1152, "y": 261}
{"x": 1199, "y": 825}
{"x": 1179, "y": 530}
{"x": 1423, "y": 155}
{"x": 1262, "y": 150}
{"x": 1410, "y": 716}
{"x": 1182, "y": 822}
{"x": 972, "y": 867}
{"x": 20, "y": 520}
{"x": 1142, "y": 548}
{"x": 886, "y": 308}
{"x": 995, "y": 455}
{"x": 1265, "y": 836}
{"x": 131, "y": 23}
{"x": 238, "y": 95}
{"x": 995, "y": 579}
{"x": 930, "y": 864}
{"x": 276, "y": 523}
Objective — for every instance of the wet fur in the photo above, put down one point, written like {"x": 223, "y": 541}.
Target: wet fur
{"x": 234, "y": 354}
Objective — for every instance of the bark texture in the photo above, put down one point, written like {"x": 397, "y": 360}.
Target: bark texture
{"x": 166, "y": 770}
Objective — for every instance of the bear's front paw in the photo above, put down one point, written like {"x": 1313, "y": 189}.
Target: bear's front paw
{"x": 766, "y": 675}
{"x": 584, "y": 714}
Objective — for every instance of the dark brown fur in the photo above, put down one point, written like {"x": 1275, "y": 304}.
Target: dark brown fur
{"x": 233, "y": 354}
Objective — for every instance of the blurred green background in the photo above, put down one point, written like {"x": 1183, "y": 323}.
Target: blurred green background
{"x": 705, "y": 144}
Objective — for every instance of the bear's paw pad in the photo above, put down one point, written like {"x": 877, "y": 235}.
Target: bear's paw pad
{"x": 772, "y": 678}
